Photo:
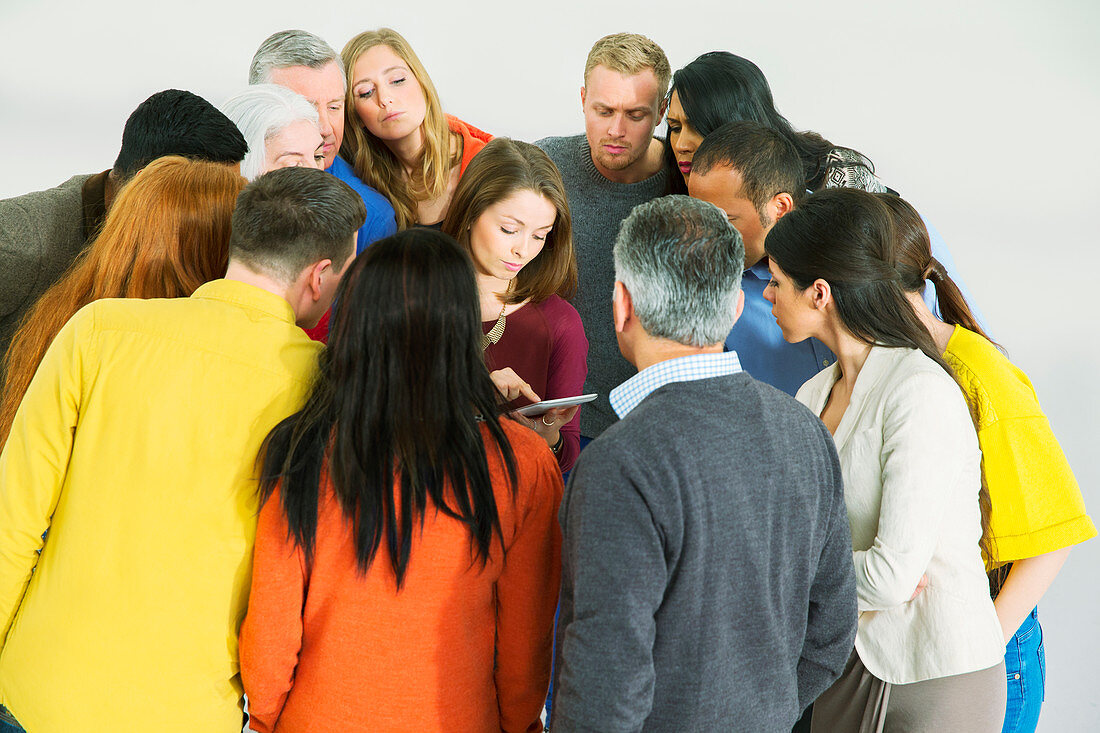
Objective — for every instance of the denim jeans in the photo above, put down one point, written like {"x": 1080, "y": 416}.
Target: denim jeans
{"x": 7, "y": 722}
{"x": 1026, "y": 666}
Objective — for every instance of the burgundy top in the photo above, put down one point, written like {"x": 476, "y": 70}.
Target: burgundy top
{"x": 545, "y": 345}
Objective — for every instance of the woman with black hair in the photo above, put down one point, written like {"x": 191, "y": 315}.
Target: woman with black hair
{"x": 720, "y": 87}
{"x": 929, "y": 651}
{"x": 407, "y": 554}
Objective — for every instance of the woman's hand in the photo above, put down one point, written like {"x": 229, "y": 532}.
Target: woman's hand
{"x": 549, "y": 424}
{"x": 511, "y": 386}
{"x": 921, "y": 585}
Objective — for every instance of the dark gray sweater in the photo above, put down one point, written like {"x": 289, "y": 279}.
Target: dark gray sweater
{"x": 597, "y": 206}
{"x": 707, "y": 578}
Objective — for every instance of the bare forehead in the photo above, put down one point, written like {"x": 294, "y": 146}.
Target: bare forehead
{"x": 323, "y": 84}
{"x": 614, "y": 89}
{"x": 721, "y": 186}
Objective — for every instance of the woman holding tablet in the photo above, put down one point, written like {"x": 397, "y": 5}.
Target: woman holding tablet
{"x": 400, "y": 142}
{"x": 510, "y": 213}
{"x": 929, "y": 650}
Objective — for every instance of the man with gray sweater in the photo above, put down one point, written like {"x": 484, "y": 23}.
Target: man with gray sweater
{"x": 707, "y": 578}
{"x": 614, "y": 166}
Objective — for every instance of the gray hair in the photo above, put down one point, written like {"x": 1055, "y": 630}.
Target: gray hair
{"x": 291, "y": 48}
{"x": 261, "y": 112}
{"x": 681, "y": 260}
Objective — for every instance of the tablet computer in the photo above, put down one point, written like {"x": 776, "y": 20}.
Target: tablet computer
{"x": 539, "y": 408}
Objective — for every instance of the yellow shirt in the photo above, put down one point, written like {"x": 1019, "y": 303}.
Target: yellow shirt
{"x": 1036, "y": 503}
{"x": 135, "y": 448}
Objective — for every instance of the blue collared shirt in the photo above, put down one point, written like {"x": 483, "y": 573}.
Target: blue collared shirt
{"x": 381, "y": 219}
{"x": 764, "y": 353}
{"x": 630, "y": 393}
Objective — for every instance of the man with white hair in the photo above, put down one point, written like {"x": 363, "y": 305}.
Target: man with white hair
{"x": 306, "y": 64}
{"x": 707, "y": 579}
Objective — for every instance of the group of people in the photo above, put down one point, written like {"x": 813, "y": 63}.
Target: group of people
{"x": 261, "y": 444}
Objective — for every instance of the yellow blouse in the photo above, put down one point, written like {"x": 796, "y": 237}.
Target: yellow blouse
{"x": 1036, "y": 503}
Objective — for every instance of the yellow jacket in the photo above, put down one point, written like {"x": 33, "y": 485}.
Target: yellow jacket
{"x": 135, "y": 448}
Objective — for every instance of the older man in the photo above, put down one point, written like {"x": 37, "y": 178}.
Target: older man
{"x": 304, "y": 63}
{"x": 707, "y": 578}
{"x": 41, "y": 233}
{"x": 614, "y": 166}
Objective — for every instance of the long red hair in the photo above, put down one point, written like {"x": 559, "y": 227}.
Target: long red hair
{"x": 166, "y": 234}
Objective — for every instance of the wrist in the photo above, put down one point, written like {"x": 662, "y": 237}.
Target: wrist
{"x": 557, "y": 446}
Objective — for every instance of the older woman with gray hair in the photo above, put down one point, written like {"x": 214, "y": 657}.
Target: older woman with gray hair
{"x": 279, "y": 126}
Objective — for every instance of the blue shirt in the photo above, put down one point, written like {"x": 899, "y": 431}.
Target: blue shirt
{"x": 381, "y": 220}
{"x": 630, "y": 393}
{"x": 768, "y": 357}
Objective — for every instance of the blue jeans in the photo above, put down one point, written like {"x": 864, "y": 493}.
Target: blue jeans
{"x": 5, "y": 725}
{"x": 1026, "y": 665}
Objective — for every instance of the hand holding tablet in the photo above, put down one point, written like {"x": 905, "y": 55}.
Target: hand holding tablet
{"x": 539, "y": 408}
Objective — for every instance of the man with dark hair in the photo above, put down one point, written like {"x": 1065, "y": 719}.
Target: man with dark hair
{"x": 41, "y": 233}
{"x": 754, "y": 175}
{"x": 135, "y": 446}
{"x": 707, "y": 579}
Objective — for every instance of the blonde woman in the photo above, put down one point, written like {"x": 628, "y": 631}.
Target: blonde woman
{"x": 400, "y": 142}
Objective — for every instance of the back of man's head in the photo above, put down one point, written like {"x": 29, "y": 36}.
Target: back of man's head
{"x": 292, "y": 218}
{"x": 629, "y": 54}
{"x": 175, "y": 122}
{"x": 290, "y": 48}
{"x": 681, "y": 261}
{"x": 767, "y": 161}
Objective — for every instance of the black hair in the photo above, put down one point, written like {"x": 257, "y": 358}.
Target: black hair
{"x": 292, "y": 217}
{"x": 720, "y": 87}
{"x": 398, "y": 407}
{"x": 767, "y": 162}
{"x": 175, "y": 122}
{"x": 846, "y": 237}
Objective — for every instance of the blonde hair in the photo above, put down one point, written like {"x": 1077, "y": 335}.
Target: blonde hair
{"x": 372, "y": 161}
{"x": 630, "y": 53}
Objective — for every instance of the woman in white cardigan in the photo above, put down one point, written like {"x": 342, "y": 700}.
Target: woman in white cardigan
{"x": 928, "y": 651}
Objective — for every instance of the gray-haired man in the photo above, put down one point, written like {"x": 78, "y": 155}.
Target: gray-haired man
{"x": 306, "y": 64}
{"x": 707, "y": 578}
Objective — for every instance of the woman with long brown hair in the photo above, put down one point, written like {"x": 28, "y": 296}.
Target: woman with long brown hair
{"x": 510, "y": 214}
{"x": 166, "y": 234}
{"x": 397, "y": 138}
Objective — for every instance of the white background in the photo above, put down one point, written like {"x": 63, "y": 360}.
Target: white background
{"x": 983, "y": 114}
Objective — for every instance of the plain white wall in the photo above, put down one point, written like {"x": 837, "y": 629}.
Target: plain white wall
{"x": 982, "y": 114}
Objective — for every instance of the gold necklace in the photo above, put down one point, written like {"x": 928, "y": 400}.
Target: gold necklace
{"x": 495, "y": 332}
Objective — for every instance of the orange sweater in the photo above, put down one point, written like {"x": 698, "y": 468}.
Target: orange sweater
{"x": 473, "y": 140}
{"x": 325, "y": 648}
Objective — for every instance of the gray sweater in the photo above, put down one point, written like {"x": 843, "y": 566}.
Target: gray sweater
{"x": 707, "y": 579}
{"x": 41, "y": 233}
{"x": 597, "y": 206}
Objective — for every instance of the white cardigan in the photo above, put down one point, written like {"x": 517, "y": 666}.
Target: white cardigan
{"x": 912, "y": 472}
